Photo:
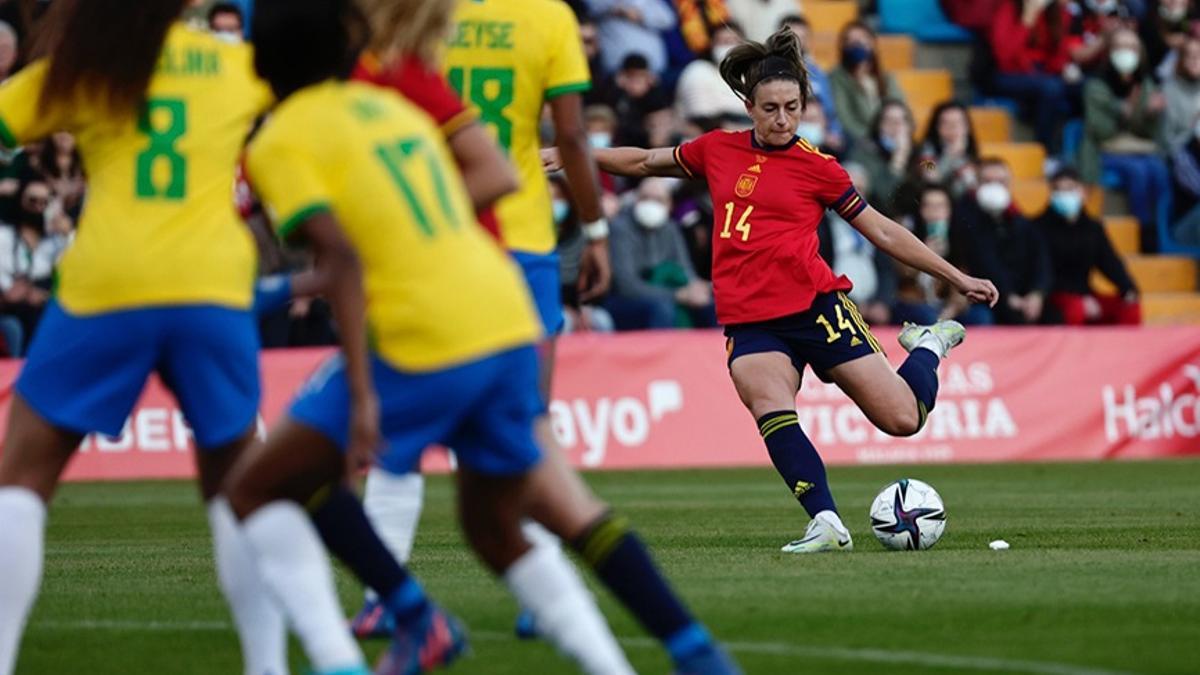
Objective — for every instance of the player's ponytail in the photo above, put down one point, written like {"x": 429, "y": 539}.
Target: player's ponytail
{"x": 753, "y": 63}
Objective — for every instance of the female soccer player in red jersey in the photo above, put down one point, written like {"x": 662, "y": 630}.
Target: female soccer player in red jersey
{"x": 781, "y": 306}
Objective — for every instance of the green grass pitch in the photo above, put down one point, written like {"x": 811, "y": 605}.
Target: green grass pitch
{"x": 1103, "y": 576}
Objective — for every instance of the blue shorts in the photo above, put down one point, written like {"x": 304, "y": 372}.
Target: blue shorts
{"x": 829, "y": 333}
{"x": 85, "y": 373}
{"x": 483, "y": 409}
{"x": 545, "y": 284}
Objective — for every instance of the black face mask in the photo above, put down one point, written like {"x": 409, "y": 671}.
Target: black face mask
{"x": 853, "y": 55}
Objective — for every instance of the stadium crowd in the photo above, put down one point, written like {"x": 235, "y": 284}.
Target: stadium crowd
{"x": 1111, "y": 88}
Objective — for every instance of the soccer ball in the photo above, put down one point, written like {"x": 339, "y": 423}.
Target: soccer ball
{"x": 908, "y": 515}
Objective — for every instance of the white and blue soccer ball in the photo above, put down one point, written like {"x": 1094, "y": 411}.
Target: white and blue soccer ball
{"x": 908, "y": 515}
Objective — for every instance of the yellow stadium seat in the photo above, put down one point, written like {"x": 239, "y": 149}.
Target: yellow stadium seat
{"x": 1155, "y": 274}
{"x": 1125, "y": 233}
{"x": 1094, "y": 203}
{"x": 822, "y": 46}
{"x": 1171, "y": 308}
{"x": 829, "y": 15}
{"x": 925, "y": 88}
{"x": 1031, "y": 195}
{"x": 896, "y": 52}
{"x": 921, "y": 117}
{"x": 992, "y": 125}
{"x": 1027, "y": 160}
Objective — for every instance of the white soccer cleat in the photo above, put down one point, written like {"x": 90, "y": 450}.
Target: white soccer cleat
{"x": 825, "y": 532}
{"x": 939, "y": 338}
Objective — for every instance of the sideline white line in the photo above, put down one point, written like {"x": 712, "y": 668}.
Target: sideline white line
{"x": 852, "y": 654}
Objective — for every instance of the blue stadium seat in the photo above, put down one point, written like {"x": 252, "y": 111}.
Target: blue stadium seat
{"x": 922, "y": 19}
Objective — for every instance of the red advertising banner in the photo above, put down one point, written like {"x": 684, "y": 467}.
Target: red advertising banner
{"x": 664, "y": 400}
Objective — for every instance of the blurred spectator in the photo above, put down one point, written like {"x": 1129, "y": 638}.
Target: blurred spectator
{"x": 9, "y": 50}
{"x": 699, "y": 20}
{"x": 886, "y": 154}
{"x": 700, "y": 92}
{"x": 601, "y": 124}
{"x": 814, "y": 128}
{"x": 577, "y": 317}
{"x": 627, "y": 27}
{"x": 225, "y": 19}
{"x": 634, "y": 94}
{"x": 1003, "y": 246}
{"x": 1032, "y": 52}
{"x": 1123, "y": 111}
{"x": 591, "y": 49}
{"x": 923, "y": 299}
{"x": 818, "y": 80}
{"x": 1182, "y": 91}
{"x": 1163, "y": 31}
{"x": 950, "y": 151}
{"x": 859, "y": 84}
{"x": 851, "y": 254}
{"x": 1185, "y": 171}
{"x": 62, "y": 167}
{"x": 1078, "y": 244}
{"x": 760, "y": 18}
{"x": 654, "y": 284}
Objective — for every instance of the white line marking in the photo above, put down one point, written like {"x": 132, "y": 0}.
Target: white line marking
{"x": 852, "y": 654}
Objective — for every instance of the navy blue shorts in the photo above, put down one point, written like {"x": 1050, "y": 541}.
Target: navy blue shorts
{"x": 483, "y": 409}
{"x": 545, "y": 285}
{"x": 84, "y": 373}
{"x": 828, "y": 334}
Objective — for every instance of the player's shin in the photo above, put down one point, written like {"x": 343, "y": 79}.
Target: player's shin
{"x": 797, "y": 460}
{"x": 22, "y": 531}
{"x": 258, "y": 619}
{"x": 919, "y": 371}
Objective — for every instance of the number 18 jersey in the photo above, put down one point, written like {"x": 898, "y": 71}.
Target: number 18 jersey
{"x": 507, "y": 58}
{"x": 159, "y": 225}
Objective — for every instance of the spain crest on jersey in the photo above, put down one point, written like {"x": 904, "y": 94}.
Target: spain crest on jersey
{"x": 745, "y": 185}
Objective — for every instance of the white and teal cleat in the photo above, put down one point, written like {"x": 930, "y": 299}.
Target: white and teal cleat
{"x": 939, "y": 338}
{"x": 825, "y": 533}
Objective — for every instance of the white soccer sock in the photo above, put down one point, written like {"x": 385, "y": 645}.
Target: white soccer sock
{"x": 538, "y": 535}
{"x": 393, "y": 505}
{"x": 931, "y": 342}
{"x": 258, "y": 619}
{"x": 833, "y": 519}
{"x": 294, "y": 566}
{"x": 22, "y": 539}
{"x": 546, "y": 584}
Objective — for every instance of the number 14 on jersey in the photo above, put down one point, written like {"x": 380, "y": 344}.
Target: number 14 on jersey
{"x": 743, "y": 221}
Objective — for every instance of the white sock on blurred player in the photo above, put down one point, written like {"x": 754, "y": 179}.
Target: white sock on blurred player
{"x": 295, "y": 567}
{"x": 538, "y": 535}
{"x": 22, "y": 538}
{"x": 259, "y": 621}
{"x": 393, "y": 505}
{"x": 546, "y": 584}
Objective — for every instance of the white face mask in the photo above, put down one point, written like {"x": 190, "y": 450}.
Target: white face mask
{"x": 1125, "y": 60}
{"x": 1172, "y": 13}
{"x": 600, "y": 139}
{"x": 719, "y": 52}
{"x": 812, "y": 132}
{"x": 993, "y": 198}
{"x": 650, "y": 214}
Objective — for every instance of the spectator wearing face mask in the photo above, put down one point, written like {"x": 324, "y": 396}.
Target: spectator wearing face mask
{"x": 701, "y": 94}
{"x": 1182, "y": 91}
{"x": 1077, "y": 245}
{"x": 654, "y": 284}
{"x": 852, "y": 255}
{"x": 1164, "y": 31}
{"x": 818, "y": 80}
{"x": 225, "y": 20}
{"x": 859, "y": 84}
{"x": 1123, "y": 112}
{"x": 601, "y": 124}
{"x": 1185, "y": 174}
{"x": 626, "y": 27}
{"x": 814, "y": 128}
{"x": 887, "y": 154}
{"x": 950, "y": 152}
{"x": 1001, "y": 245}
{"x": 577, "y": 317}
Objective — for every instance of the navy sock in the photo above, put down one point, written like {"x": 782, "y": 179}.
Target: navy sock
{"x": 622, "y": 562}
{"x": 338, "y": 515}
{"x": 919, "y": 371}
{"x": 796, "y": 460}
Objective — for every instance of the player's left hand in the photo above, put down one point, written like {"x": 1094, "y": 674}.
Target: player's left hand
{"x": 595, "y": 272}
{"x": 364, "y": 433}
{"x": 979, "y": 290}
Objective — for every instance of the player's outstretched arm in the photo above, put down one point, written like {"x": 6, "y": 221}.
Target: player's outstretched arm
{"x": 570, "y": 137}
{"x": 486, "y": 172}
{"x": 635, "y": 162}
{"x": 892, "y": 238}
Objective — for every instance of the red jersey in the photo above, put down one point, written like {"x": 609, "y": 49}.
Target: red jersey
{"x": 767, "y": 204}
{"x": 429, "y": 91}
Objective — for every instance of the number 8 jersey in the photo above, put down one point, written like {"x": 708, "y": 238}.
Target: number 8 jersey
{"x": 507, "y": 58}
{"x": 159, "y": 225}
{"x": 767, "y": 204}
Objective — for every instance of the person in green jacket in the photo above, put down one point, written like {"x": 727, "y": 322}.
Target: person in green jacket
{"x": 859, "y": 84}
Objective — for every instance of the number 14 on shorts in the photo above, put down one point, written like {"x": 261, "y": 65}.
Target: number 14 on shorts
{"x": 842, "y": 323}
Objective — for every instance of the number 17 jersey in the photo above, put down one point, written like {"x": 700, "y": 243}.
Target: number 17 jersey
{"x": 507, "y": 58}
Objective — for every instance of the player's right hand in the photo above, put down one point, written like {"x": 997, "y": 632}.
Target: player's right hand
{"x": 364, "y": 433}
{"x": 979, "y": 290}
{"x": 551, "y": 162}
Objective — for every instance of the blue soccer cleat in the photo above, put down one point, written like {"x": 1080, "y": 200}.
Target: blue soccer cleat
{"x": 432, "y": 641}
{"x": 526, "y": 628}
{"x": 373, "y": 621}
{"x": 713, "y": 660}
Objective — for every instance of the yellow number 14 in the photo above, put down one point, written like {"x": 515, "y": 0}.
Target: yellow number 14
{"x": 743, "y": 222}
{"x": 841, "y": 323}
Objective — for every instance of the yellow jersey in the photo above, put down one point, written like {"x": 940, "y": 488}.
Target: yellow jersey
{"x": 439, "y": 290}
{"x": 159, "y": 225}
{"x": 506, "y": 58}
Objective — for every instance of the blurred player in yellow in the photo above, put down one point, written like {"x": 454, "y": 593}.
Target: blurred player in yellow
{"x": 159, "y": 279}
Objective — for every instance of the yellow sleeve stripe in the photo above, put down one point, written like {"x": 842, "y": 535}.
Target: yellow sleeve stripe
{"x": 6, "y": 136}
{"x": 569, "y": 88}
{"x": 457, "y": 123}
{"x": 289, "y": 226}
{"x": 677, "y": 154}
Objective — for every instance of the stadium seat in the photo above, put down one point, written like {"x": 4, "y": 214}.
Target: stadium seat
{"x": 992, "y": 124}
{"x": 925, "y": 88}
{"x": 897, "y": 52}
{"x": 823, "y": 49}
{"x": 1125, "y": 233}
{"x": 1027, "y": 160}
{"x": 1155, "y": 274}
{"x": 829, "y": 16}
{"x": 1171, "y": 308}
{"x": 1032, "y": 196}
{"x": 922, "y": 18}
